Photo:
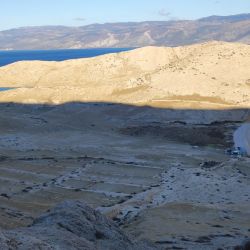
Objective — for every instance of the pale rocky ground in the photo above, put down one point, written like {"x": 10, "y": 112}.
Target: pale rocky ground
{"x": 159, "y": 172}
{"x": 208, "y": 75}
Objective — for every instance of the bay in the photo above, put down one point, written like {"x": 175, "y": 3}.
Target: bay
{"x": 7, "y": 57}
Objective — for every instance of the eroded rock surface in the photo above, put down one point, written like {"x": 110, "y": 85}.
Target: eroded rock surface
{"x": 70, "y": 225}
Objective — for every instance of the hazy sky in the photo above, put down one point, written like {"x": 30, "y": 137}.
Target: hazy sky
{"x": 17, "y": 13}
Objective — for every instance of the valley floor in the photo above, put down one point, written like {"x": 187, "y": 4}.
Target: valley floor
{"x": 166, "y": 181}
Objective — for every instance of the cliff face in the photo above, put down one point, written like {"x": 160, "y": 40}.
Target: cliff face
{"x": 209, "y": 75}
{"x": 168, "y": 33}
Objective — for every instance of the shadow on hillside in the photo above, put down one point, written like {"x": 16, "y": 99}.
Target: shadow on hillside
{"x": 196, "y": 127}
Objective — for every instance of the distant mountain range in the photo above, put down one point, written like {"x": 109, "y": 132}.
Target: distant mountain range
{"x": 234, "y": 28}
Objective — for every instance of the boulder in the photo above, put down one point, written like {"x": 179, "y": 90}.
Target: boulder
{"x": 70, "y": 226}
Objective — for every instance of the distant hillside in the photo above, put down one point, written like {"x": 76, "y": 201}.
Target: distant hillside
{"x": 167, "y": 33}
{"x": 208, "y": 75}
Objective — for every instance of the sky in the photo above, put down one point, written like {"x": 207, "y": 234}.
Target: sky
{"x": 22, "y": 13}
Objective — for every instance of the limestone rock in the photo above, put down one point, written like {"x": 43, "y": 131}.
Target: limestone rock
{"x": 70, "y": 225}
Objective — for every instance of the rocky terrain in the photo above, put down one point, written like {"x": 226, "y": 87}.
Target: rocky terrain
{"x": 209, "y": 75}
{"x": 70, "y": 225}
{"x": 162, "y": 33}
{"x": 140, "y": 136}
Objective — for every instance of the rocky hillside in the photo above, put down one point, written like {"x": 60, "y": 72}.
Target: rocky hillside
{"x": 71, "y": 225}
{"x": 168, "y": 33}
{"x": 212, "y": 75}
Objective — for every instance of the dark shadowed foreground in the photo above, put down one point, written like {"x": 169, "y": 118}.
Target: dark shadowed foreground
{"x": 160, "y": 174}
{"x": 70, "y": 225}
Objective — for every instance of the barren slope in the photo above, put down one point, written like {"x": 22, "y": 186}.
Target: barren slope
{"x": 208, "y": 75}
{"x": 160, "y": 173}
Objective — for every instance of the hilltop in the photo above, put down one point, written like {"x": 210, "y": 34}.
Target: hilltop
{"x": 208, "y": 75}
{"x": 234, "y": 28}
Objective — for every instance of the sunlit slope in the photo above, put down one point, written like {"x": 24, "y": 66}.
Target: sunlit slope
{"x": 214, "y": 74}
